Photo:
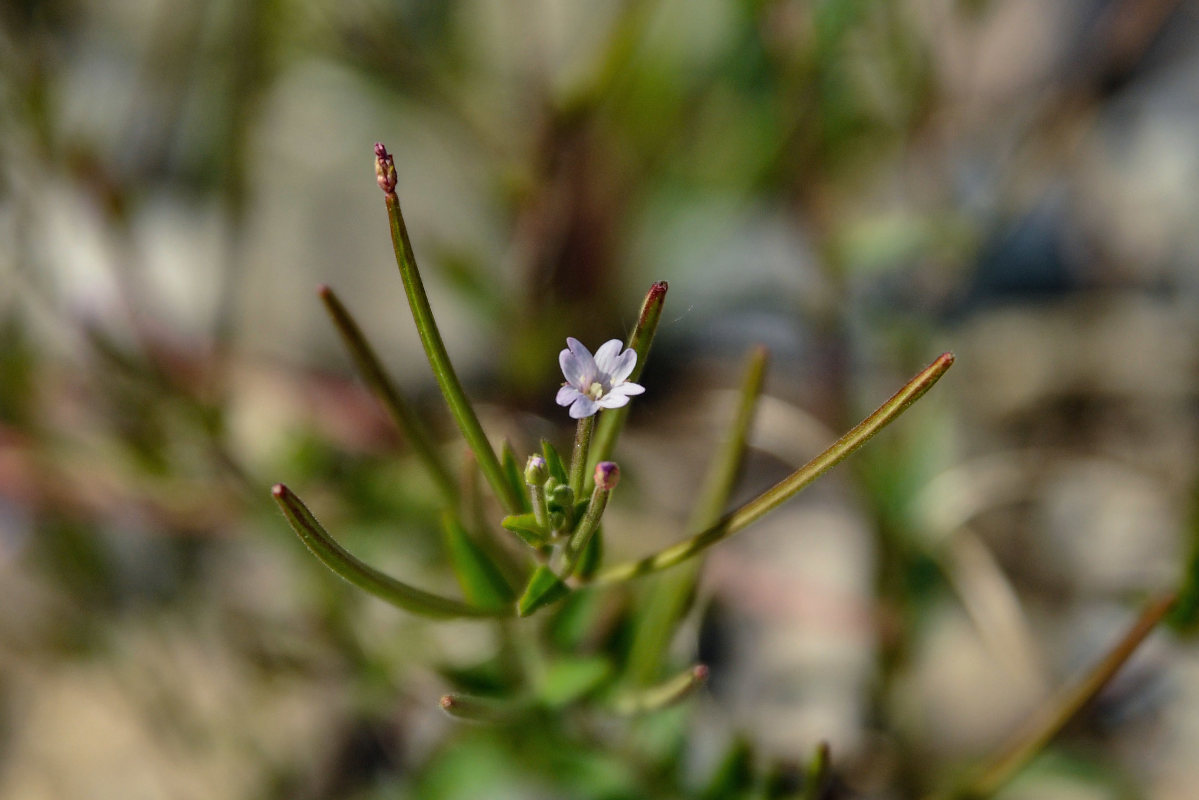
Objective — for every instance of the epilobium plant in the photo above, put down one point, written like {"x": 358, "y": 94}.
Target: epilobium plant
{"x": 555, "y": 511}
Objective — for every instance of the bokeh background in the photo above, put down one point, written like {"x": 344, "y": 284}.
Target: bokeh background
{"x": 857, "y": 185}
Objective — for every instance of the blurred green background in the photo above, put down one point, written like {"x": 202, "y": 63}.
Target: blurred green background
{"x": 857, "y": 185}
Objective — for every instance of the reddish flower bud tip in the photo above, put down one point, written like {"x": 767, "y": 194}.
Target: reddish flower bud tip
{"x": 700, "y": 673}
{"x": 447, "y": 700}
{"x": 607, "y": 475}
{"x": 323, "y": 290}
{"x": 385, "y": 169}
{"x": 658, "y": 289}
{"x": 278, "y": 490}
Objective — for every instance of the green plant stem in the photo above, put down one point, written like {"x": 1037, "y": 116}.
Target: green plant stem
{"x": 578, "y": 459}
{"x": 540, "y": 510}
{"x": 642, "y": 337}
{"x": 1058, "y": 711}
{"x": 439, "y": 360}
{"x": 377, "y": 380}
{"x": 364, "y": 576}
{"x": 789, "y": 486}
{"x": 586, "y": 529}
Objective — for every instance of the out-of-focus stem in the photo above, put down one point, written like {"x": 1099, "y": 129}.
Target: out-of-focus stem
{"x": 377, "y": 380}
{"x": 666, "y": 598}
{"x": 654, "y": 698}
{"x": 578, "y": 458}
{"x": 722, "y": 472}
{"x": 1058, "y": 711}
{"x": 793, "y": 483}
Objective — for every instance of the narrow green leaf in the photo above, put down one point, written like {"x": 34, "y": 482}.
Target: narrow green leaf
{"x": 393, "y": 400}
{"x": 482, "y": 582}
{"x": 568, "y": 679}
{"x": 544, "y": 588}
{"x": 514, "y": 475}
{"x": 612, "y": 420}
{"x": 430, "y": 337}
{"x": 554, "y": 462}
{"x": 338, "y": 559}
{"x": 526, "y": 527}
{"x": 483, "y": 709}
{"x": 667, "y": 693}
{"x": 795, "y": 482}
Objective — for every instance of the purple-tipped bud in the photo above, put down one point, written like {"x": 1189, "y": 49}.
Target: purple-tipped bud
{"x": 607, "y": 475}
{"x": 536, "y": 471}
{"x": 385, "y": 169}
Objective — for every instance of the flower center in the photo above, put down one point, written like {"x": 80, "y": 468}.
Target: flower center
{"x": 595, "y": 391}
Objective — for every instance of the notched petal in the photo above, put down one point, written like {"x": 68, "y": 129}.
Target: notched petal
{"x": 606, "y": 358}
{"x": 583, "y": 407}
{"x": 573, "y": 369}
{"x": 624, "y": 366}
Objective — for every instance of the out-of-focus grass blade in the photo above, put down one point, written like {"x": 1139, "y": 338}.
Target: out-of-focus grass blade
{"x": 734, "y": 777}
{"x": 393, "y": 400}
{"x": 338, "y": 559}
{"x": 1056, "y": 712}
{"x": 667, "y": 598}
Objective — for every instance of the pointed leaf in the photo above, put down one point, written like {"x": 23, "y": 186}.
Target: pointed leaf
{"x": 338, "y": 559}
{"x": 553, "y": 461}
{"x": 482, "y": 582}
{"x": 544, "y": 587}
{"x": 526, "y": 527}
{"x": 512, "y": 474}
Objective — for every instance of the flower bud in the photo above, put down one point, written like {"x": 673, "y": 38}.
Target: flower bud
{"x": 607, "y": 475}
{"x": 562, "y": 496}
{"x": 385, "y": 169}
{"x": 536, "y": 471}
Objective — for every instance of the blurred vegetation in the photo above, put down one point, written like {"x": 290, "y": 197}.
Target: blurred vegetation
{"x": 856, "y": 185}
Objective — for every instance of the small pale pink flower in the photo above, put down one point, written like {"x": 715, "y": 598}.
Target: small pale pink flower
{"x": 596, "y": 382}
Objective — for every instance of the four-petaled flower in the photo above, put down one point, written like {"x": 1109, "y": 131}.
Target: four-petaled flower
{"x": 599, "y": 382}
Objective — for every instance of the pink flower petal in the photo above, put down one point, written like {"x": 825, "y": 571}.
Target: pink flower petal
{"x": 583, "y": 407}
{"x": 567, "y": 395}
